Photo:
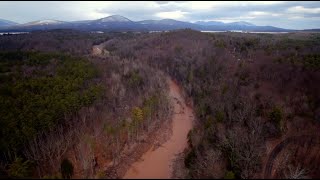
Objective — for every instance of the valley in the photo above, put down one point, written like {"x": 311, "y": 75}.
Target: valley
{"x": 157, "y": 162}
{"x": 174, "y": 104}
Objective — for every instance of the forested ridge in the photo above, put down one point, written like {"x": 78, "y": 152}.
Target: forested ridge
{"x": 249, "y": 92}
{"x": 247, "y": 89}
{"x": 54, "y": 105}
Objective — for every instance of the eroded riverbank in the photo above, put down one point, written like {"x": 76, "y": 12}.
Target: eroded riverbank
{"x": 157, "y": 162}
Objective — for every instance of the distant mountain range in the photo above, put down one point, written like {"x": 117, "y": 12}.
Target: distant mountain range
{"x": 120, "y": 23}
{"x": 4, "y": 23}
{"x": 215, "y": 23}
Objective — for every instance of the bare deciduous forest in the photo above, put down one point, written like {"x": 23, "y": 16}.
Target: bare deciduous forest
{"x": 74, "y": 104}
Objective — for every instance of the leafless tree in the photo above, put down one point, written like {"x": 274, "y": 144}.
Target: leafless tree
{"x": 296, "y": 173}
{"x": 48, "y": 149}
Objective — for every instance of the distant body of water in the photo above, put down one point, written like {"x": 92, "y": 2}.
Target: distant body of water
{"x": 213, "y": 31}
{"x": 269, "y": 32}
{"x": 98, "y": 32}
{"x": 2, "y": 33}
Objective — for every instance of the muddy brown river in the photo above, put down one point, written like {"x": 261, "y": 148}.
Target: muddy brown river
{"x": 157, "y": 163}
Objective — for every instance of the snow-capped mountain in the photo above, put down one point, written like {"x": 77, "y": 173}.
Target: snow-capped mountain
{"x": 120, "y": 23}
{"x": 43, "y": 22}
{"x": 114, "y": 18}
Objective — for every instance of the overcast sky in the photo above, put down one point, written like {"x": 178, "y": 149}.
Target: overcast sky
{"x": 295, "y": 15}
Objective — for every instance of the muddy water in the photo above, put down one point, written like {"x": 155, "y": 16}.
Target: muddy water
{"x": 156, "y": 163}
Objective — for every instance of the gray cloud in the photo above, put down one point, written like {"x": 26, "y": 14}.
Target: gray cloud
{"x": 296, "y": 15}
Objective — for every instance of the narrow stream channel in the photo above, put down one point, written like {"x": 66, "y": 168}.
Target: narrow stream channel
{"x": 157, "y": 163}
